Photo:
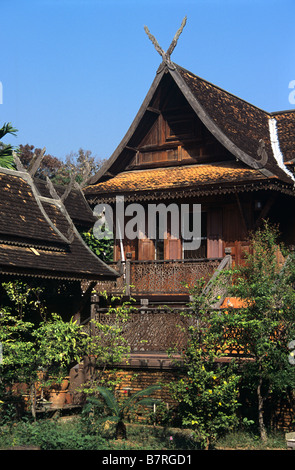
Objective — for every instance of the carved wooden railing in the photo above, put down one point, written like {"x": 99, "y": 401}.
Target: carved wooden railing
{"x": 151, "y": 329}
{"x": 158, "y": 329}
{"x": 159, "y": 277}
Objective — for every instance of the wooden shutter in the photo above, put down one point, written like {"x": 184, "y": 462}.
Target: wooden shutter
{"x": 214, "y": 234}
{"x": 173, "y": 249}
{"x": 146, "y": 249}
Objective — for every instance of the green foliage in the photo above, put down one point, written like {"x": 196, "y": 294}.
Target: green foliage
{"x": 6, "y": 150}
{"x": 107, "y": 346}
{"x": 208, "y": 392}
{"x": 24, "y": 298}
{"x": 54, "y": 435}
{"x": 257, "y": 333}
{"x": 264, "y": 325}
{"x": 52, "y": 346}
{"x": 18, "y": 348}
{"x": 120, "y": 408}
{"x": 59, "y": 345}
{"x": 103, "y": 248}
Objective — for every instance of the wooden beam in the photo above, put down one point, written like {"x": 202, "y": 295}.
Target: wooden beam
{"x": 35, "y": 162}
{"x": 265, "y": 210}
{"x": 153, "y": 110}
{"x": 242, "y": 213}
{"x": 84, "y": 300}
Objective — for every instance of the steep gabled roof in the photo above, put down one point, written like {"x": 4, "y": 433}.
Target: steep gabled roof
{"x": 38, "y": 237}
{"x": 239, "y": 126}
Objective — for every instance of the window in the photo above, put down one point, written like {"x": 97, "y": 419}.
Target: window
{"x": 159, "y": 242}
{"x": 201, "y": 252}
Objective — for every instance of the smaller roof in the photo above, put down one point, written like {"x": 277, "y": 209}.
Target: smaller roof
{"x": 210, "y": 178}
{"x": 38, "y": 237}
{"x": 75, "y": 203}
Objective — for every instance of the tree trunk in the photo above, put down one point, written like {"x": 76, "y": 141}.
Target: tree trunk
{"x": 33, "y": 401}
{"x": 260, "y": 413}
{"x": 121, "y": 430}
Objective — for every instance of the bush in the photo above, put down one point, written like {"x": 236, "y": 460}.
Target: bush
{"x": 54, "y": 435}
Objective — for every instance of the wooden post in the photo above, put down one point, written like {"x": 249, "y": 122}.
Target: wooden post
{"x": 128, "y": 273}
{"x": 93, "y": 308}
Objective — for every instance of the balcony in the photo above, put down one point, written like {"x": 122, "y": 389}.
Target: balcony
{"x": 155, "y": 327}
{"x": 165, "y": 277}
{"x": 151, "y": 330}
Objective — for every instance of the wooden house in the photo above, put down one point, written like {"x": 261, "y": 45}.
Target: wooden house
{"x": 40, "y": 243}
{"x": 192, "y": 142}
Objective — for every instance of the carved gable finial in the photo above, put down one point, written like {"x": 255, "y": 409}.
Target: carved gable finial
{"x": 166, "y": 56}
{"x": 261, "y": 152}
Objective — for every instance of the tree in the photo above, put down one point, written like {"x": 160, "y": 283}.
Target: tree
{"x": 121, "y": 408}
{"x": 258, "y": 331}
{"x": 81, "y": 164}
{"x": 52, "y": 346}
{"x": 49, "y": 165}
{"x": 207, "y": 391}
{"x": 256, "y": 334}
{"x": 262, "y": 327}
{"x": 6, "y": 150}
{"x": 107, "y": 346}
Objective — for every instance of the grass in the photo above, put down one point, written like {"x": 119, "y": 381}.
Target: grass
{"x": 70, "y": 434}
{"x": 240, "y": 440}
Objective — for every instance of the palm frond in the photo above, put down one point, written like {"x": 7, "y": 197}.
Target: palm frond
{"x": 110, "y": 400}
{"x": 7, "y": 129}
{"x": 146, "y": 391}
{"x": 140, "y": 396}
{"x": 148, "y": 401}
{"x": 6, "y": 157}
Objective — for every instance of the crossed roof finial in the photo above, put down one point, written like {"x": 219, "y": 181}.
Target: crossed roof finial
{"x": 166, "y": 55}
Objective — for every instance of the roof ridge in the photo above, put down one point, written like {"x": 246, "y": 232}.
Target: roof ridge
{"x": 285, "y": 111}
{"x": 180, "y": 167}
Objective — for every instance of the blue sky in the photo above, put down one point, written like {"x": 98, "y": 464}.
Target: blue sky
{"x": 75, "y": 72}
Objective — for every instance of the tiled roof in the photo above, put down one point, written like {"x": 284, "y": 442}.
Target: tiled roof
{"x": 230, "y": 113}
{"x": 286, "y": 131}
{"x": 241, "y": 122}
{"x": 238, "y": 125}
{"x": 20, "y": 214}
{"x": 176, "y": 177}
{"x": 76, "y": 205}
{"x": 38, "y": 237}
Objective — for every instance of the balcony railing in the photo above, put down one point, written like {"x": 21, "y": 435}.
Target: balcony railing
{"x": 152, "y": 329}
{"x": 159, "y": 277}
{"x": 158, "y": 329}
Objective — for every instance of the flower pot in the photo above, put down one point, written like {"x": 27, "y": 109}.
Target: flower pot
{"x": 57, "y": 398}
{"x": 68, "y": 398}
{"x": 59, "y": 385}
{"x": 65, "y": 383}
